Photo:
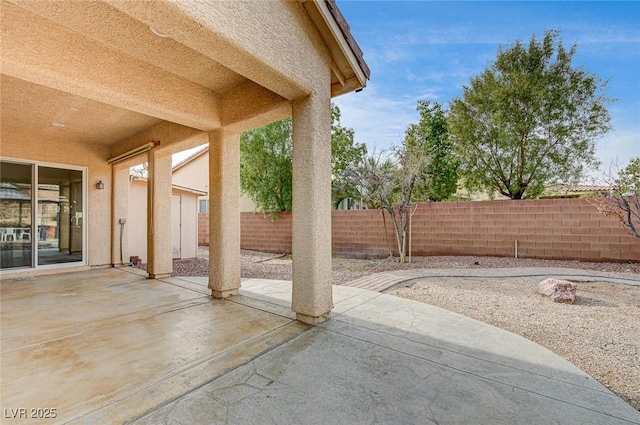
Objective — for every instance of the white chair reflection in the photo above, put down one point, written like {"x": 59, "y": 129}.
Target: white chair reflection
{"x": 25, "y": 234}
{"x": 12, "y": 234}
{"x": 8, "y": 234}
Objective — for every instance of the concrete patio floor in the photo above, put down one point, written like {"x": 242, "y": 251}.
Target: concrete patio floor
{"x": 110, "y": 346}
{"x": 105, "y": 346}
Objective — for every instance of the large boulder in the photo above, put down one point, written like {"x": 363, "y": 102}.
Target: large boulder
{"x": 560, "y": 291}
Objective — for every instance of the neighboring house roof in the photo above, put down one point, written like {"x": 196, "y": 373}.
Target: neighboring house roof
{"x": 13, "y": 195}
{"x": 190, "y": 158}
{"x": 10, "y": 191}
{"x": 574, "y": 191}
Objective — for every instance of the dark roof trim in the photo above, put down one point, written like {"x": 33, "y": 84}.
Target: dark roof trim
{"x": 346, "y": 33}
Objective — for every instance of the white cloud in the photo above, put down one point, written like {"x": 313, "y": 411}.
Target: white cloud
{"x": 377, "y": 120}
{"x": 618, "y": 147}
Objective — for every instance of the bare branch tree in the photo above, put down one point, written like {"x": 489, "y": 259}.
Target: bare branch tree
{"x": 388, "y": 183}
{"x": 624, "y": 200}
{"x": 141, "y": 170}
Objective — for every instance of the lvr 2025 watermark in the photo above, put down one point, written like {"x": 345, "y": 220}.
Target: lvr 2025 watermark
{"x": 29, "y": 413}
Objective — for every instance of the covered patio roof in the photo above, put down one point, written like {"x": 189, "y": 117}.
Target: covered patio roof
{"x": 144, "y": 64}
{"x": 103, "y": 85}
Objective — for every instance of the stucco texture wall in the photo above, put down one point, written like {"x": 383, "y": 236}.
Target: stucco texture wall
{"x": 194, "y": 175}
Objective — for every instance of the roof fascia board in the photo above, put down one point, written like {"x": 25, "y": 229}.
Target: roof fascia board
{"x": 322, "y": 7}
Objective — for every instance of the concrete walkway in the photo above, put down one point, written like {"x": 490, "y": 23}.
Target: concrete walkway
{"x": 387, "y": 360}
{"x": 384, "y": 281}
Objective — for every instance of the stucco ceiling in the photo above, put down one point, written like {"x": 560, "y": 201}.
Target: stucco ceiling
{"x": 98, "y": 69}
{"x": 47, "y": 46}
{"x": 36, "y": 110}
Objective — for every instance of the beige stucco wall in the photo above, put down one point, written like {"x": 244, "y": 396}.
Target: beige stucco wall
{"x": 285, "y": 69}
{"x": 81, "y": 155}
{"x": 267, "y": 31}
{"x": 137, "y": 220}
{"x": 245, "y": 36}
{"x": 195, "y": 175}
{"x": 247, "y": 204}
{"x": 189, "y": 224}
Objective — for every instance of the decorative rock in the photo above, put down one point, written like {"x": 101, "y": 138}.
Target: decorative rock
{"x": 560, "y": 291}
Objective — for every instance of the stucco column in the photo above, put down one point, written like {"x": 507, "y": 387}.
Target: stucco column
{"x": 120, "y": 201}
{"x": 159, "y": 215}
{"x": 312, "y": 292}
{"x": 224, "y": 214}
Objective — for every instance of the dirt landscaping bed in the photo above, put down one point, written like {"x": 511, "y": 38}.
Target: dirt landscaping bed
{"x": 600, "y": 332}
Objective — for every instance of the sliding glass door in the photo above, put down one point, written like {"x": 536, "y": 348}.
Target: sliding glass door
{"x": 41, "y": 224}
{"x": 59, "y": 216}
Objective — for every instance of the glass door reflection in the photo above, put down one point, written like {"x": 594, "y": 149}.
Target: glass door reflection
{"x": 59, "y": 216}
{"x": 15, "y": 215}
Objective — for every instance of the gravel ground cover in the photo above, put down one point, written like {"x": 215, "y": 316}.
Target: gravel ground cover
{"x": 600, "y": 332}
{"x": 273, "y": 266}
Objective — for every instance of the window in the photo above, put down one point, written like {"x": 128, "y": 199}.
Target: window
{"x": 203, "y": 205}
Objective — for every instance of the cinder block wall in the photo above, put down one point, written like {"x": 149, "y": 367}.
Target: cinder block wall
{"x": 257, "y": 232}
{"x": 203, "y": 229}
{"x": 554, "y": 229}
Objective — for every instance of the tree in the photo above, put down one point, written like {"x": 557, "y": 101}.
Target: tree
{"x": 373, "y": 180}
{"x": 345, "y": 151}
{"x": 531, "y": 119}
{"x": 430, "y": 137}
{"x": 266, "y": 161}
{"x": 624, "y": 202}
{"x": 388, "y": 183}
{"x": 266, "y": 166}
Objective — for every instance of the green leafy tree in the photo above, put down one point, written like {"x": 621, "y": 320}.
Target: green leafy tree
{"x": 531, "y": 119}
{"x": 430, "y": 137}
{"x": 345, "y": 151}
{"x": 624, "y": 201}
{"x": 266, "y": 161}
{"x": 266, "y": 166}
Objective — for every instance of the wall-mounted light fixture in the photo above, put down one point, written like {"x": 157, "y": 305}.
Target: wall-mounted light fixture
{"x": 100, "y": 185}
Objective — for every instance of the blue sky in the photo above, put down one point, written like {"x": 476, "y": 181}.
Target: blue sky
{"x": 430, "y": 49}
